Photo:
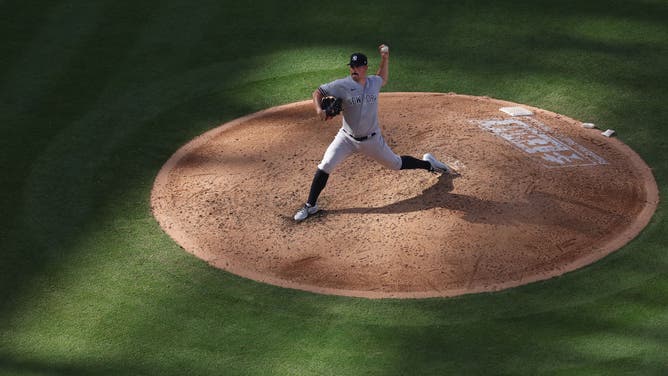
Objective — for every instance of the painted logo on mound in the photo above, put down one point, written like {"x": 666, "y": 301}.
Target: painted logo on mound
{"x": 534, "y": 140}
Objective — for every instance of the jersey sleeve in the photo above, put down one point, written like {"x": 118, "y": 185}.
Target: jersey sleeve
{"x": 377, "y": 81}
{"x": 331, "y": 88}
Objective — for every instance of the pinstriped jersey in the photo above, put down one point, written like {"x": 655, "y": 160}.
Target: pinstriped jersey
{"x": 360, "y": 103}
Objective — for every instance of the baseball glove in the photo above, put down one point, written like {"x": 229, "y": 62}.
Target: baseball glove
{"x": 331, "y": 105}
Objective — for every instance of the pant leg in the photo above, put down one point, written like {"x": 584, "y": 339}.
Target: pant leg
{"x": 340, "y": 149}
{"x": 377, "y": 149}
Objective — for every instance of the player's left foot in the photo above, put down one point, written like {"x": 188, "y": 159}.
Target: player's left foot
{"x": 436, "y": 165}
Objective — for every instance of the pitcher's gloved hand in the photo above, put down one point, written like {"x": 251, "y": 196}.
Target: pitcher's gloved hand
{"x": 332, "y": 106}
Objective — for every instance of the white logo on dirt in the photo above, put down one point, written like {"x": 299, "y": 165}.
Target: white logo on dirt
{"x": 550, "y": 151}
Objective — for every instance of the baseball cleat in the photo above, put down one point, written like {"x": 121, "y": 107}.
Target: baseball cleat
{"x": 305, "y": 211}
{"x": 436, "y": 165}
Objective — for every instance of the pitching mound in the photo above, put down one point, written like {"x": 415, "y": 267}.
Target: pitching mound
{"x": 538, "y": 196}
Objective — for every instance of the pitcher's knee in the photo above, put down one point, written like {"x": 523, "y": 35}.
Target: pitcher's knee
{"x": 393, "y": 163}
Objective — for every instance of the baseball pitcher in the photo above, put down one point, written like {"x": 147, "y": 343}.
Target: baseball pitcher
{"x": 357, "y": 96}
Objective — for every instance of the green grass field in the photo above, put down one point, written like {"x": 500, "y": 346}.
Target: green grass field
{"x": 96, "y": 96}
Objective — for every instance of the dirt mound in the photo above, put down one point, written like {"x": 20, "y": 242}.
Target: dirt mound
{"x": 538, "y": 196}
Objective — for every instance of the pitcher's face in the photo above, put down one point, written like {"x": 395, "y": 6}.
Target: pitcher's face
{"x": 358, "y": 73}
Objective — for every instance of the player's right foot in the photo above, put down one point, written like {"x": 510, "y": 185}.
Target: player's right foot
{"x": 437, "y": 165}
{"x": 305, "y": 211}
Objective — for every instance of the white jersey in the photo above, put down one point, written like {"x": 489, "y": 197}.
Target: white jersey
{"x": 360, "y": 103}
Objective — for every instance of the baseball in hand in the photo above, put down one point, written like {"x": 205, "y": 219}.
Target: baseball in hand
{"x": 385, "y": 49}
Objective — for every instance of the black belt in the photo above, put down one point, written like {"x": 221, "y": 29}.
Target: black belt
{"x": 359, "y": 138}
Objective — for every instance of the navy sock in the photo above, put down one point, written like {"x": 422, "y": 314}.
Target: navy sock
{"x": 319, "y": 183}
{"x": 410, "y": 163}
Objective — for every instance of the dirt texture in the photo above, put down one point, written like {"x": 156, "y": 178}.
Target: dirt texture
{"x": 537, "y": 196}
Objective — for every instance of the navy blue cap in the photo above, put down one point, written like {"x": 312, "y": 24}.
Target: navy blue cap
{"x": 357, "y": 59}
